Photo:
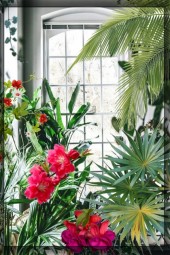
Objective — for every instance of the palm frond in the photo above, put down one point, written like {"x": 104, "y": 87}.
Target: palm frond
{"x": 144, "y": 158}
{"x": 117, "y": 35}
{"x": 140, "y": 30}
{"x": 137, "y": 219}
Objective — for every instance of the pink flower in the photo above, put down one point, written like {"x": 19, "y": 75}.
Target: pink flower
{"x": 94, "y": 234}
{"x": 40, "y": 186}
{"x": 72, "y": 239}
{"x": 99, "y": 237}
{"x": 60, "y": 162}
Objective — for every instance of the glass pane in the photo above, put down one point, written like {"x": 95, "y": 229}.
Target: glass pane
{"x": 91, "y": 188}
{"x": 109, "y": 98}
{"x": 108, "y": 130}
{"x": 78, "y": 136}
{"x": 108, "y": 150}
{"x": 96, "y": 149}
{"x": 79, "y": 100}
{"x": 74, "y": 42}
{"x": 57, "y": 45}
{"x": 94, "y": 131}
{"x": 92, "y": 71}
{"x": 57, "y": 71}
{"x": 76, "y": 73}
{"x": 60, "y": 92}
{"x": 87, "y": 34}
{"x": 93, "y": 96}
{"x": 109, "y": 70}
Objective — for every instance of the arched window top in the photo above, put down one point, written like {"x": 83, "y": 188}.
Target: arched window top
{"x": 74, "y": 15}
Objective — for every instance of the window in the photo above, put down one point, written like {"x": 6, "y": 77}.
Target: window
{"x": 98, "y": 79}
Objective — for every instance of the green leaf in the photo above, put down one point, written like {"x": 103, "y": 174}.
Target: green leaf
{"x": 36, "y": 128}
{"x": 7, "y": 40}
{"x": 7, "y": 23}
{"x": 20, "y": 111}
{"x": 7, "y": 131}
{"x": 14, "y": 53}
{"x": 33, "y": 138}
{"x": 13, "y": 30}
{"x": 84, "y": 217}
{"x": 115, "y": 124}
{"x": 79, "y": 115}
{"x": 8, "y": 84}
{"x": 73, "y": 98}
{"x": 19, "y": 201}
{"x": 36, "y": 94}
{"x": 84, "y": 174}
{"x": 49, "y": 92}
{"x": 124, "y": 65}
{"x": 14, "y": 39}
{"x": 14, "y": 19}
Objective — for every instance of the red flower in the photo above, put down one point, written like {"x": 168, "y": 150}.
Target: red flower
{"x": 99, "y": 237}
{"x": 73, "y": 154}
{"x": 73, "y": 238}
{"x": 7, "y": 102}
{"x": 1, "y": 157}
{"x": 40, "y": 185}
{"x": 17, "y": 84}
{"x": 93, "y": 218}
{"x": 43, "y": 118}
{"x": 94, "y": 234}
{"x": 60, "y": 162}
{"x": 56, "y": 180}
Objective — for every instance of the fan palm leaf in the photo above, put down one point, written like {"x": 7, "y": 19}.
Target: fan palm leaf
{"x": 143, "y": 159}
{"x": 140, "y": 30}
{"x": 136, "y": 218}
{"x": 132, "y": 194}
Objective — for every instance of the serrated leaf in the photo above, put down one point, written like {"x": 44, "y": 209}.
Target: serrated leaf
{"x": 8, "y": 84}
{"x": 36, "y": 128}
{"x": 20, "y": 111}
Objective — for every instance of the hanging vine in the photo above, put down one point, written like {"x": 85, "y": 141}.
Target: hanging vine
{"x": 10, "y": 24}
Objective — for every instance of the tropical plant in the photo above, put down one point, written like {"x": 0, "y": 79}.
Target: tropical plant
{"x": 140, "y": 31}
{"x": 44, "y": 128}
{"x": 132, "y": 196}
{"x": 144, "y": 3}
